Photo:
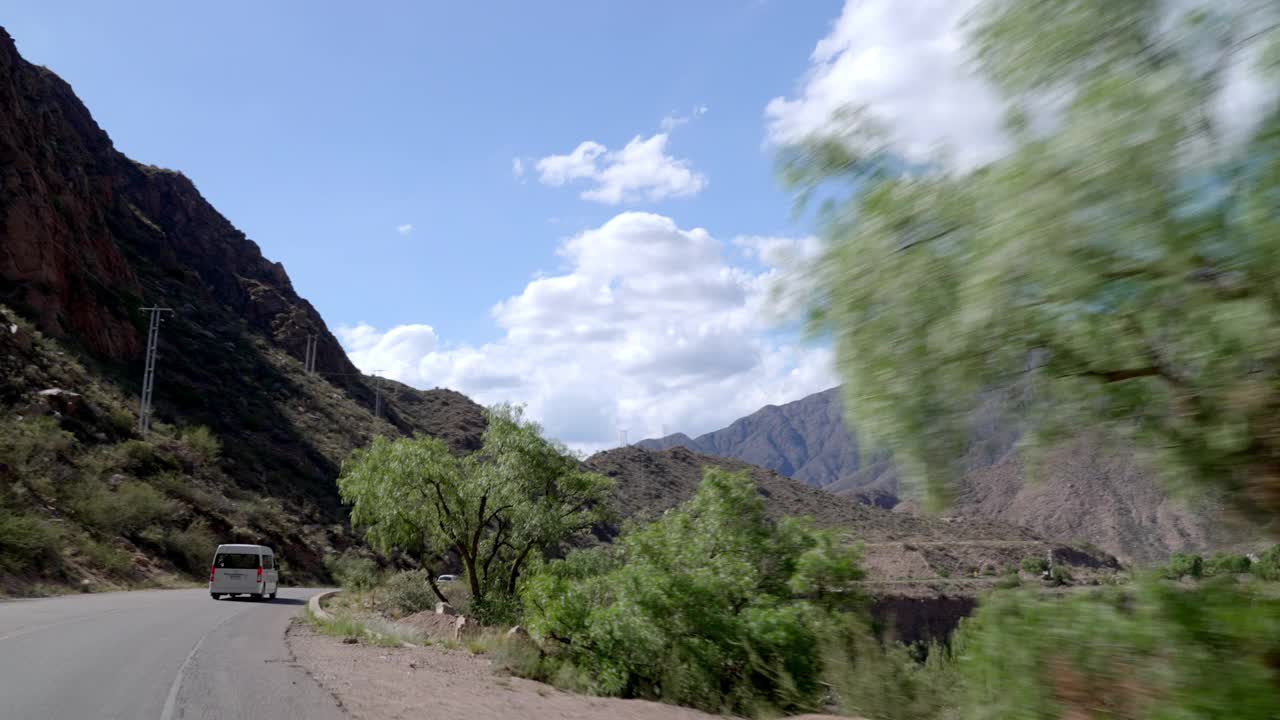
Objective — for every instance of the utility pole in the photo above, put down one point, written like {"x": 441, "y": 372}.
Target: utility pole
{"x": 149, "y": 371}
{"x": 309, "y": 364}
{"x": 664, "y": 430}
{"x": 377, "y": 396}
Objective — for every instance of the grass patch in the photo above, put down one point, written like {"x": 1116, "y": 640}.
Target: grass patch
{"x": 371, "y": 631}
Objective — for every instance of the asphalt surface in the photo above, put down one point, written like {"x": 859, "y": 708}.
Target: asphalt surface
{"x": 161, "y": 654}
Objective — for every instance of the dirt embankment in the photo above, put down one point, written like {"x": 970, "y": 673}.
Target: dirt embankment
{"x": 375, "y": 683}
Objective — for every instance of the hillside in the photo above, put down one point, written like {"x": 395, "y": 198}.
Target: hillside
{"x": 901, "y": 548}
{"x": 805, "y": 440}
{"x": 1086, "y": 490}
{"x": 87, "y": 237}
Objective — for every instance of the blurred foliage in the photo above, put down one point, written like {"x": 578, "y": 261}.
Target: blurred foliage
{"x": 353, "y": 571}
{"x": 1182, "y": 565}
{"x": 1035, "y": 564}
{"x": 699, "y": 607}
{"x": 1267, "y": 566}
{"x": 1227, "y": 564}
{"x": 408, "y": 592}
{"x": 885, "y": 680}
{"x": 1117, "y": 266}
{"x": 498, "y": 510}
{"x": 1149, "y": 650}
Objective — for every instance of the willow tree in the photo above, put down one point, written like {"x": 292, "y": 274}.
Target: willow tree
{"x": 519, "y": 495}
{"x": 1120, "y": 264}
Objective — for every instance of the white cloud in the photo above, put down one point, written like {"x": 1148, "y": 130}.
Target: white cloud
{"x": 650, "y": 324}
{"x": 394, "y": 354}
{"x": 906, "y": 64}
{"x": 674, "y": 120}
{"x": 642, "y": 170}
{"x": 907, "y": 67}
{"x": 404, "y": 229}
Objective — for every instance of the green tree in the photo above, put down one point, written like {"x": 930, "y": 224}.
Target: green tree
{"x": 1116, "y": 267}
{"x": 709, "y": 605}
{"x": 517, "y": 496}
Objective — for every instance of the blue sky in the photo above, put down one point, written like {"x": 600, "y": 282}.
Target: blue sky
{"x": 570, "y": 205}
{"x": 318, "y": 129}
{"x": 400, "y": 159}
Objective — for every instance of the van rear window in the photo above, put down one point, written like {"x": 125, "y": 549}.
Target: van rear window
{"x": 236, "y": 561}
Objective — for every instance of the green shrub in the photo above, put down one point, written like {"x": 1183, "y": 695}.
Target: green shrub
{"x": 122, "y": 421}
{"x": 1226, "y": 564}
{"x": 352, "y": 571}
{"x": 1147, "y": 650}
{"x": 192, "y": 549}
{"x": 885, "y": 680}
{"x": 1008, "y": 581}
{"x": 128, "y": 509}
{"x": 409, "y": 592}
{"x": 29, "y": 544}
{"x": 204, "y": 445}
{"x": 1035, "y": 565}
{"x": 1183, "y": 565}
{"x": 697, "y": 608}
{"x": 107, "y": 557}
{"x": 496, "y": 609}
{"x": 1267, "y": 566}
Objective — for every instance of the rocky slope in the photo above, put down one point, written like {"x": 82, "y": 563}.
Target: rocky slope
{"x": 934, "y": 554}
{"x": 1087, "y": 490}
{"x": 87, "y": 237}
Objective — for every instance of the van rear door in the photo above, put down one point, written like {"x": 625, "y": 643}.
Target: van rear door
{"x": 236, "y": 572}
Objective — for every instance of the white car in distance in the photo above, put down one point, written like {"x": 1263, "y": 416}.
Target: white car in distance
{"x": 244, "y": 570}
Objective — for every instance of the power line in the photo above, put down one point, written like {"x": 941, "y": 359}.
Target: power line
{"x": 149, "y": 367}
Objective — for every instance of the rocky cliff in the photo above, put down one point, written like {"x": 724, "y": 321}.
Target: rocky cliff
{"x": 87, "y": 238}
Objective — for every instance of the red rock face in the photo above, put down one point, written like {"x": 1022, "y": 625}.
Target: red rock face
{"x": 57, "y": 250}
{"x": 87, "y": 235}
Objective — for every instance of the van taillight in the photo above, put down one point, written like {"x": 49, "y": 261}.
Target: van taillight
{"x": 259, "y": 574}
{"x": 211, "y": 570}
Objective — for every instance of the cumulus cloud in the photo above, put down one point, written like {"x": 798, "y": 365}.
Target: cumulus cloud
{"x": 905, "y": 64}
{"x": 395, "y": 353}
{"x": 907, "y": 69}
{"x": 649, "y": 324}
{"x": 642, "y": 170}
{"x": 404, "y": 229}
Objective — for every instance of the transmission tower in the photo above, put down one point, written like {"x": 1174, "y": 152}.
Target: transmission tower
{"x": 149, "y": 371}
{"x": 377, "y": 396}
{"x": 309, "y": 364}
{"x": 622, "y": 437}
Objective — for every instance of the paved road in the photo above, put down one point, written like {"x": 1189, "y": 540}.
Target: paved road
{"x": 159, "y": 654}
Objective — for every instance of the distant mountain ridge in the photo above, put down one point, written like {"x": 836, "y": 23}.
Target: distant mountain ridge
{"x": 1089, "y": 490}
{"x": 805, "y": 440}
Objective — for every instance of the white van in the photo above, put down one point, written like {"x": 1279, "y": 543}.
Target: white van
{"x": 244, "y": 570}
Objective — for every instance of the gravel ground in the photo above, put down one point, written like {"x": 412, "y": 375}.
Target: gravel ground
{"x": 376, "y": 683}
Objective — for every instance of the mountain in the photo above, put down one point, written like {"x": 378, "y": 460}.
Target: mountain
{"x": 246, "y": 444}
{"x": 805, "y": 440}
{"x": 1086, "y": 490}
{"x": 650, "y": 482}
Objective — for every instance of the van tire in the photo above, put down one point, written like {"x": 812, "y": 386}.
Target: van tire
{"x": 272, "y": 596}
{"x": 215, "y": 596}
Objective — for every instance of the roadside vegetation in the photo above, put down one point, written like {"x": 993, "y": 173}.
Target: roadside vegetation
{"x": 1114, "y": 269}
{"x": 493, "y": 512}
{"x": 86, "y": 503}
